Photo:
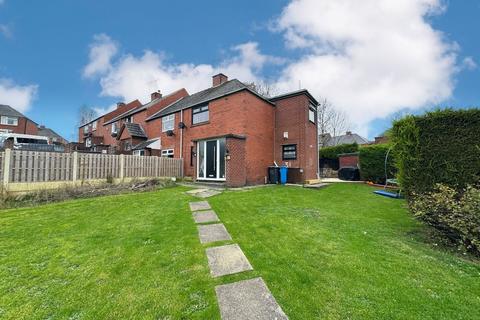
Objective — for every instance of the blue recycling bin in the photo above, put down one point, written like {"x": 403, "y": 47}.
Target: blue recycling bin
{"x": 283, "y": 174}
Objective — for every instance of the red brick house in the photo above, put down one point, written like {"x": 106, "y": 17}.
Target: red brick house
{"x": 230, "y": 133}
{"x": 227, "y": 133}
{"x": 12, "y": 121}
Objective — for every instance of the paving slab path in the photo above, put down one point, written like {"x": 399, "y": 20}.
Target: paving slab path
{"x": 200, "y": 205}
{"x": 248, "y": 299}
{"x": 205, "y": 216}
{"x": 241, "y": 300}
{"x": 228, "y": 259}
{"x": 213, "y": 233}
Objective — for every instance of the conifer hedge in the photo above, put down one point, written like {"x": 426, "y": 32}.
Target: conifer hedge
{"x": 439, "y": 147}
{"x": 333, "y": 152}
{"x": 372, "y": 163}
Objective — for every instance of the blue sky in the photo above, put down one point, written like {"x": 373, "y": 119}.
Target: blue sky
{"x": 58, "y": 55}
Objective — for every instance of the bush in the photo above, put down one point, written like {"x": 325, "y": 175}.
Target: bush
{"x": 372, "y": 163}
{"x": 456, "y": 214}
{"x": 333, "y": 152}
{"x": 438, "y": 147}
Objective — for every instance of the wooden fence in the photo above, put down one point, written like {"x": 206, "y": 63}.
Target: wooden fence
{"x": 33, "y": 166}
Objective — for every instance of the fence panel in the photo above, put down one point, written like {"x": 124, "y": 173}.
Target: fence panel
{"x": 39, "y": 166}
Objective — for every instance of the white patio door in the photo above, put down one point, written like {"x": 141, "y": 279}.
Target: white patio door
{"x": 211, "y": 159}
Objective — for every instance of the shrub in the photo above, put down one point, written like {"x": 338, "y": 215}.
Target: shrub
{"x": 438, "y": 147}
{"x": 456, "y": 214}
{"x": 333, "y": 152}
{"x": 372, "y": 163}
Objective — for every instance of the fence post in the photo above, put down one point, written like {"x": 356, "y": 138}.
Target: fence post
{"x": 75, "y": 167}
{"x": 122, "y": 166}
{"x": 6, "y": 167}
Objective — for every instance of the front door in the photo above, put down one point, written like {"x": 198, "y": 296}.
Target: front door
{"x": 211, "y": 160}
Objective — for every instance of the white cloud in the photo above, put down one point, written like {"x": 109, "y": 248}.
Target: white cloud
{"x": 17, "y": 96}
{"x": 469, "y": 64}
{"x": 371, "y": 58}
{"x": 102, "y": 50}
{"x": 6, "y": 31}
{"x": 130, "y": 77}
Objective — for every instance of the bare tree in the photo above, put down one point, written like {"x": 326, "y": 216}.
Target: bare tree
{"x": 331, "y": 122}
{"x": 263, "y": 88}
{"x": 85, "y": 115}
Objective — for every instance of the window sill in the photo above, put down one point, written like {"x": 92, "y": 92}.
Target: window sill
{"x": 200, "y": 124}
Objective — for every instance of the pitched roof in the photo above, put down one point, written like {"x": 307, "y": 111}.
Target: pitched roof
{"x": 122, "y": 109}
{"x": 205, "y": 96}
{"x": 134, "y": 130}
{"x": 144, "y": 144}
{"x": 159, "y": 102}
{"x": 47, "y": 132}
{"x": 345, "y": 139}
{"x": 296, "y": 93}
{"x": 9, "y": 111}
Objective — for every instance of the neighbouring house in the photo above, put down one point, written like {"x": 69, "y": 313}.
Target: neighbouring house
{"x": 227, "y": 133}
{"x": 13, "y": 121}
{"x": 326, "y": 140}
{"x": 53, "y": 137}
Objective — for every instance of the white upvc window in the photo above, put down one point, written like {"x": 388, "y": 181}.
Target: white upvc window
{"x": 138, "y": 152}
{"x": 94, "y": 125}
{"x": 168, "y": 122}
{"x": 88, "y": 142}
{"x": 9, "y": 121}
{"x": 168, "y": 153}
{"x": 85, "y": 129}
{"x": 129, "y": 119}
{"x": 311, "y": 114}
{"x": 114, "y": 127}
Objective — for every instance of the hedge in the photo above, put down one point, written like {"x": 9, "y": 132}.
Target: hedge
{"x": 372, "y": 163}
{"x": 333, "y": 152}
{"x": 439, "y": 147}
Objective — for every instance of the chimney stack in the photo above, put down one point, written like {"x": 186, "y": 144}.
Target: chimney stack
{"x": 218, "y": 79}
{"x": 155, "y": 95}
{"x": 349, "y": 133}
{"x": 120, "y": 104}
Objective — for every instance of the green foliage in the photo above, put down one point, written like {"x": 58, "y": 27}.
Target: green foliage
{"x": 456, "y": 214}
{"x": 439, "y": 147}
{"x": 372, "y": 163}
{"x": 333, "y": 152}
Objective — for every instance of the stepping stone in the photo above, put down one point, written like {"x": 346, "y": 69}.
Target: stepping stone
{"x": 227, "y": 259}
{"x": 213, "y": 232}
{"x": 200, "y": 205}
{"x": 205, "y": 216}
{"x": 248, "y": 299}
{"x": 207, "y": 193}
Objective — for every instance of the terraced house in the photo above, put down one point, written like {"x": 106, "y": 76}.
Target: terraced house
{"x": 227, "y": 133}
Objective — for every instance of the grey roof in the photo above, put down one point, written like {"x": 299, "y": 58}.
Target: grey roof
{"x": 47, "y": 132}
{"x": 296, "y": 93}
{"x": 9, "y": 111}
{"x": 135, "y": 130}
{"x": 144, "y": 144}
{"x": 345, "y": 139}
{"x": 204, "y": 96}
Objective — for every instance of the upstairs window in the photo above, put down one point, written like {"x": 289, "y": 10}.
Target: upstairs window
{"x": 9, "y": 121}
{"x": 85, "y": 129}
{"x": 129, "y": 119}
{"x": 168, "y": 122}
{"x": 114, "y": 127}
{"x": 200, "y": 114}
{"x": 311, "y": 114}
{"x": 289, "y": 152}
{"x": 94, "y": 125}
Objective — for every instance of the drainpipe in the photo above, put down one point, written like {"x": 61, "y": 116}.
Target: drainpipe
{"x": 181, "y": 135}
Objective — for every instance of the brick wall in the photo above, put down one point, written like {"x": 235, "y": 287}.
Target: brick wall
{"x": 292, "y": 116}
{"x": 25, "y": 126}
{"x": 236, "y": 172}
{"x": 348, "y": 160}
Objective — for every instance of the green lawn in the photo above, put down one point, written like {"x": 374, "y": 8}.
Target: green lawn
{"x": 335, "y": 253}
